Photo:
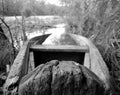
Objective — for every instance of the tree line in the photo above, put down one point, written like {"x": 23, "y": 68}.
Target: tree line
{"x": 28, "y": 8}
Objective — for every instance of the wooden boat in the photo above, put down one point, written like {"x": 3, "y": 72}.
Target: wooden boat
{"x": 49, "y": 47}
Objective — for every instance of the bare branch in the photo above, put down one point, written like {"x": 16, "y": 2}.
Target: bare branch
{"x": 12, "y": 41}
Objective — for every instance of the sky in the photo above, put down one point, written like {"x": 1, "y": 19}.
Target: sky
{"x": 56, "y": 2}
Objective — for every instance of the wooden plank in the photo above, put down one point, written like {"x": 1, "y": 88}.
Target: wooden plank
{"x": 87, "y": 60}
{"x": 31, "y": 62}
{"x": 59, "y": 48}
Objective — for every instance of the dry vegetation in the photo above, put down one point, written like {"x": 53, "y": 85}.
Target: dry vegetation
{"x": 29, "y": 25}
{"x": 99, "y": 20}
{"x": 16, "y": 28}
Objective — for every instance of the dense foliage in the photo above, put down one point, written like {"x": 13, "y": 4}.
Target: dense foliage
{"x": 99, "y": 20}
{"x": 28, "y": 8}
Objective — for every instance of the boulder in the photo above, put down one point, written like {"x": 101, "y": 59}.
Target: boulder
{"x": 61, "y": 78}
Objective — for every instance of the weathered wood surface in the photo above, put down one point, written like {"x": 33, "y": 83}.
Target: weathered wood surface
{"x": 66, "y": 48}
{"x": 93, "y": 59}
{"x": 95, "y": 63}
{"x": 61, "y": 78}
{"x": 20, "y": 66}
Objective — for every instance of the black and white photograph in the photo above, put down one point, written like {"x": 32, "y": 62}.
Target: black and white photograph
{"x": 59, "y": 47}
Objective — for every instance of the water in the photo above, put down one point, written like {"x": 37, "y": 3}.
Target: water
{"x": 58, "y": 28}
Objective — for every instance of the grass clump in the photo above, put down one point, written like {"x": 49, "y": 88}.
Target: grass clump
{"x": 99, "y": 20}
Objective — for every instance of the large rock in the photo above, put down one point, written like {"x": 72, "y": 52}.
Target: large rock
{"x": 61, "y": 78}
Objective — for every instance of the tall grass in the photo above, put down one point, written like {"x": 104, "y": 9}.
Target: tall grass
{"x": 102, "y": 26}
{"x": 30, "y": 24}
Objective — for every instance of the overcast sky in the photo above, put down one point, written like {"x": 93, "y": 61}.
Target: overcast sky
{"x": 56, "y": 2}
